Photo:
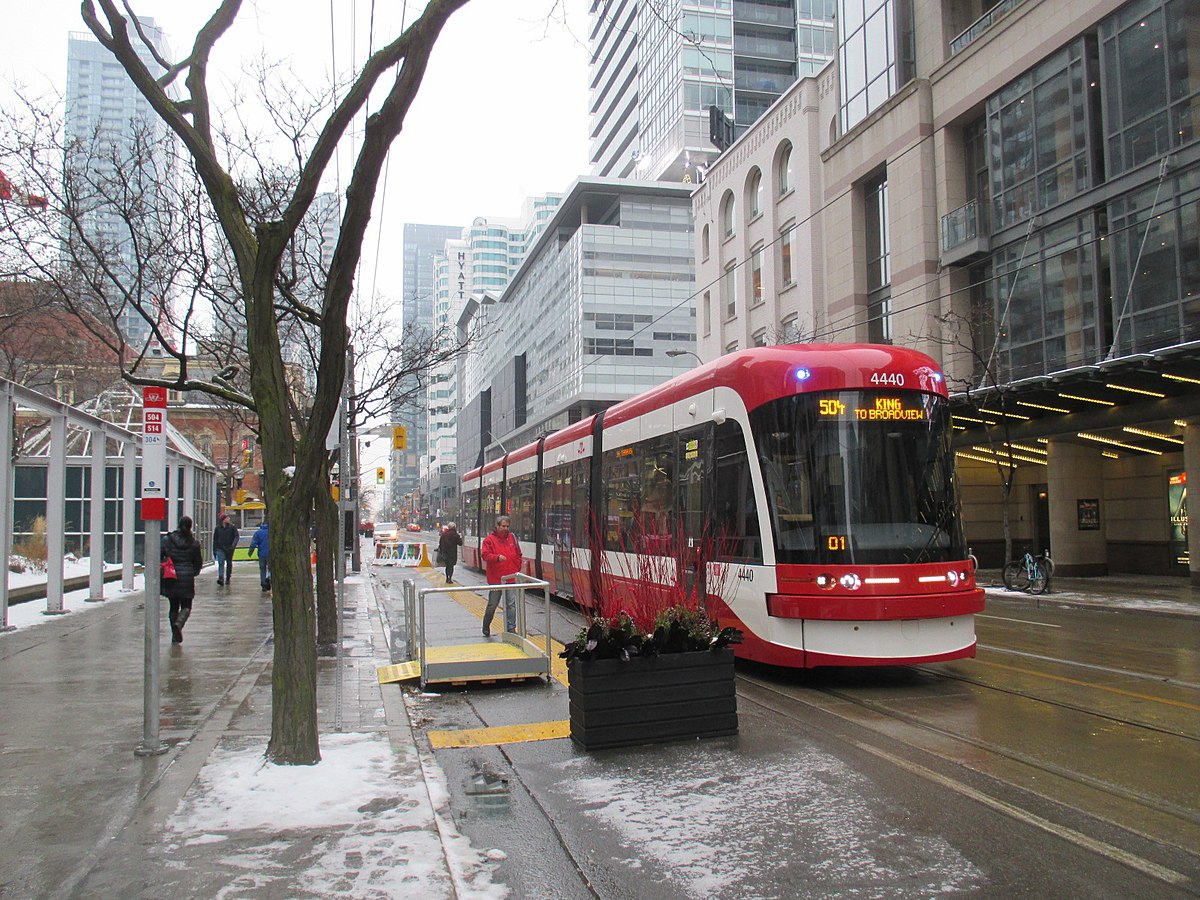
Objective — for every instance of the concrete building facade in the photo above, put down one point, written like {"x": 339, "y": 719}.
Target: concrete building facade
{"x": 601, "y": 296}
{"x": 657, "y": 68}
{"x": 1019, "y": 198}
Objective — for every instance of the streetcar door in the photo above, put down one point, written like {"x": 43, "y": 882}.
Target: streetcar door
{"x": 559, "y": 530}
{"x": 689, "y": 492}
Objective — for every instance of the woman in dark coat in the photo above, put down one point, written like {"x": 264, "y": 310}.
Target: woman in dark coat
{"x": 448, "y": 545}
{"x": 184, "y": 550}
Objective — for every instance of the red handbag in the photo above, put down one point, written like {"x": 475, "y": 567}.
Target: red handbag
{"x": 168, "y": 569}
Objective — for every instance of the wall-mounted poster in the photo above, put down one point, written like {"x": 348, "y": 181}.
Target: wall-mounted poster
{"x": 1089, "y": 514}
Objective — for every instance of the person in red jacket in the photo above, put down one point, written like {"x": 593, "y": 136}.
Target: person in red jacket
{"x": 501, "y": 556}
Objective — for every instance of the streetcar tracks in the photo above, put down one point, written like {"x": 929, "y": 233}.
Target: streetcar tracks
{"x": 1074, "y": 836}
{"x": 1095, "y": 667}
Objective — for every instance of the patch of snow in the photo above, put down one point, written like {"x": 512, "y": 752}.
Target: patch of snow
{"x": 361, "y": 817}
{"x": 690, "y": 817}
{"x": 31, "y": 613}
{"x": 289, "y": 471}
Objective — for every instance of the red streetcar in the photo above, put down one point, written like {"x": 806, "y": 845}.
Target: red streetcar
{"x": 825, "y": 471}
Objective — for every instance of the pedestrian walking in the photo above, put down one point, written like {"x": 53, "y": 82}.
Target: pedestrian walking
{"x": 501, "y": 557}
{"x": 182, "y": 548}
{"x": 225, "y": 541}
{"x": 447, "y": 549}
{"x": 260, "y": 545}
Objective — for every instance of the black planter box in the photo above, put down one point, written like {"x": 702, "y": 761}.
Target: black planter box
{"x": 676, "y": 696}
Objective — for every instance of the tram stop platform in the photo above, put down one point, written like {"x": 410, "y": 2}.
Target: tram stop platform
{"x": 440, "y": 639}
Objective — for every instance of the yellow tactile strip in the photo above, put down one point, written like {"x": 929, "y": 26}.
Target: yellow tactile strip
{"x": 503, "y": 734}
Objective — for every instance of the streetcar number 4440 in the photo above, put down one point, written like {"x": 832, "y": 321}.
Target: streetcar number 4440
{"x": 895, "y": 379}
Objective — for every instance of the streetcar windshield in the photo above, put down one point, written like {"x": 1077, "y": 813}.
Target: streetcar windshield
{"x": 859, "y": 477}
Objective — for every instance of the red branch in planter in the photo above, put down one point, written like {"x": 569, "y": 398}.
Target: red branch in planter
{"x": 650, "y": 570}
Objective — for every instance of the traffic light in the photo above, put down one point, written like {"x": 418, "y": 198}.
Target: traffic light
{"x": 247, "y": 451}
{"x": 380, "y": 475}
{"x": 399, "y": 437}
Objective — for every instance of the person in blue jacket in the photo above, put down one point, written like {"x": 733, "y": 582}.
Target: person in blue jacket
{"x": 260, "y": 547}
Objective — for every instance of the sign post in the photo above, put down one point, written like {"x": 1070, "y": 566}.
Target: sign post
{"x": 154, "y": 512}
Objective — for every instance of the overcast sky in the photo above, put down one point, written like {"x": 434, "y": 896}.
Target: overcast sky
{"x": 501, "y": 115}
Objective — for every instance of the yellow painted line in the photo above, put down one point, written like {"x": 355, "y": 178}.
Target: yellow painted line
{"x": 558, "y": 665}
{"x": 502, "y": 734}
{"x": 1089, "y": 684}
{"x": 469, "y": 652}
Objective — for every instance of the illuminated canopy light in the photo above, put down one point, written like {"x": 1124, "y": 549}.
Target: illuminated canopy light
{"x": 1153, "y": 434}
{"x": 986, "y": 459}
{"x": 1121, "y": 444}
{"x": 1025, "y": 449}
{"x": 1008, "y": 454}
{"x": 1183, "y": 378}
{"x": 1133, "y": 390}
{"x": 1180, "y": 423}
{"x": 969, "y": 419}
{"x": 996, "y": 412}
{"x": 1040, "y": 406}
{"x": 1087, "y": 399}
{"x": 1110, "y": 454}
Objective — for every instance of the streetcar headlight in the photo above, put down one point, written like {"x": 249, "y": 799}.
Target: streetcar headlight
{"x": 825, "y": 582}
{"x": 850, "y": 581}
{"x": 952, "y": 577}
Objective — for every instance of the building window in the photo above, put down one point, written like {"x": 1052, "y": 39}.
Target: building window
{"x": 1044, "y": 298}
{"x": 731, "y": 346}
{"x": 759, "y": 338}
{"x": 1151, "y": 81}
{"x": 729, "y": 290}
{"x": 727, "y": 213}
{"x": 707, "y": 313}
{"x": 783, "y": 169}
{"x": 789, "y": 329}
{"x": 1039, "y": 134}
{"x": 787, "y": 274}
{"x": 756, "y": 277}
{"x": 877, "y": 54}
{"x": 704, "y": 242}
{"x": 754, "y": 190}
{"x": 879, "y": 266}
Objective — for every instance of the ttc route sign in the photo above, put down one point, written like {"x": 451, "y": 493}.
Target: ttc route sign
{"x": 154, "y": 453}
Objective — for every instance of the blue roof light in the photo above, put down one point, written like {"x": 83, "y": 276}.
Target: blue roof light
{"x": 803, "y": 374}
{"x": 937, "y": 377}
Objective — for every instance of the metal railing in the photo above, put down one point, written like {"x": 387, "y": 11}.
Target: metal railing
{"x": 982, "y": 24}
{"x": 514, "y": 590}
{"x": 960, "y": 226}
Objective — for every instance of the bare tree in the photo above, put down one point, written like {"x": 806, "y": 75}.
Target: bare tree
{"x": 253, "y": 210}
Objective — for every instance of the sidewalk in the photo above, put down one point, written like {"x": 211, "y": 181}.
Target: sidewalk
{"x": 1167, "y": 595}
{"x": 84, "y": 816}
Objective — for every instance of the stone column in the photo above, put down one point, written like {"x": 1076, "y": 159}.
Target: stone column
{"x": 1075, "y": 473}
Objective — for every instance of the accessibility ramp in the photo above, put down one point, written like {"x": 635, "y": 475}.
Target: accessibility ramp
{"x": 512, "y": 657}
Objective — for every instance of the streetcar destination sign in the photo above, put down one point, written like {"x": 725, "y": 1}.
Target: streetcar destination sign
{"x": 882, "y": 409}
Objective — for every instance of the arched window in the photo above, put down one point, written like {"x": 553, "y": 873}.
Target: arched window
{"x": 727, "y": 211}
{"x": 754, "y": 189}
{"x": 704, "y": 242}
{"x": 783, "y": 168}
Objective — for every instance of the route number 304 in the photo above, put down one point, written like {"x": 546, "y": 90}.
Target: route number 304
{"x": 894, "y": 379}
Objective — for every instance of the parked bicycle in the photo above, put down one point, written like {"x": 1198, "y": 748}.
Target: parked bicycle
{"x": 1029, "y": 573}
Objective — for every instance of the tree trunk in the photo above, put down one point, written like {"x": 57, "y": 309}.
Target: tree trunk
{"x": 294, "y": 673}
{"x": 325, "y": 515}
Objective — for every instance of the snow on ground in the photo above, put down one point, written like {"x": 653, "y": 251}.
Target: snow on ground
{"x": 687, "y": 812}
{"x": 360, "y": 821}
{"x": 32, "y": 612}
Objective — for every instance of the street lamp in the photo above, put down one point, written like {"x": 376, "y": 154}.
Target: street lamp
{"x": 674, "y": 353}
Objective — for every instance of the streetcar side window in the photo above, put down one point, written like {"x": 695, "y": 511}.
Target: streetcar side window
{"x": 490, "y": 507}
{"x": 470, "y": 512}
{"x": 735, "y": 512}
{"x": 581, "y": 503}
{"x": 622, "y": 500}
{"x": 520, "y": 505}
{"x": 656, "y": 524}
